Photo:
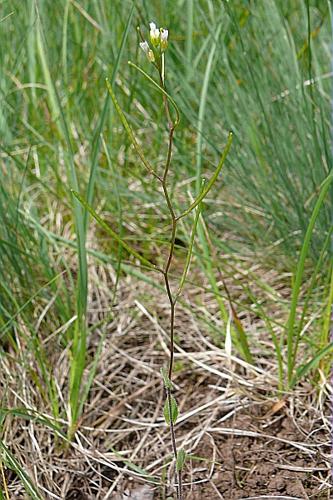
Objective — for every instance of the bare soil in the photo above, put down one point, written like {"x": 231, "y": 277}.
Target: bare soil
{"x": 283, "y": 462}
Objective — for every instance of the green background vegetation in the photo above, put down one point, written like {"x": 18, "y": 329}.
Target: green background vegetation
{"x": 239, "y": 66}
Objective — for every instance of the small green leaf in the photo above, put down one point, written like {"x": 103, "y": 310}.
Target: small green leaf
{"x": 166, "y": 380}
{"x": 181, "y": 457}
{"x": 302, "y": 370}
{"x": 174, "y": 410}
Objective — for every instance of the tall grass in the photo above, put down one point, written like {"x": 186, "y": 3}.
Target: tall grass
{"x": 261, "y": 70}
{"x": 280, "y": 123}
{"x": 274, "y": 170}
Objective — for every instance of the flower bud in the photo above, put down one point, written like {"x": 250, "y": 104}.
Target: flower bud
{"x": 145, "y": 47}
{"x": 147, "y": 50}
{"x": 151, "y": 56}
{"x": 164, "y": 39}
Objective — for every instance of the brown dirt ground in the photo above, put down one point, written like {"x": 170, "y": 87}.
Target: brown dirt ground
{"x": 253, "y": 467}
{"x": 243, "y": 443}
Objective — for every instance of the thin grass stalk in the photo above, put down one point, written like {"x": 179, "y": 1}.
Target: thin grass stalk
{"x": 292, "y": 336}
{"x": 327, "y": 329}
{"x": 202, "y": 106}
{"x": 31, "y": 46}
{"x": 189, "y": 38}
{"x": 239, "y": 336}
{"x": 13, "y": 464}
{"x": 64, "y": 43}
{"x": 315, "y": 274}
{"x": 120, "y": 217}
{"x": 97, "y": 135}
{"x": 79, "y": 346}
{"x": 4, "y": 482}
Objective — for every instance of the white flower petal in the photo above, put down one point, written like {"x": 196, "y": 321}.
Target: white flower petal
{"x": 145, "y": 47}
{"x": 164, "y": 34}
{"x": 154, "y": 34}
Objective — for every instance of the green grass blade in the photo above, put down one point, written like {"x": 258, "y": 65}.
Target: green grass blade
{"x": 7, "y": 325}
{"x": 189, "y": 38}
{"x": 34, "y": 416}
{"x": 202, "y": 107}
{"x": 292, "y": 339}
{"x": 114, "y": 235}
{"x": 120, "y": 216}
{"x": 64, "y": 42}
{"x": 138, "y": 470}
{"x": 189, "y": 252}
{"x": 212, "y": 180}
{"x": 164, "y": 92}
{"x": 129, "y": 131}
{"x": 31, "y": 46}
{"x": 311, "y": 365}
{"x": 316, "y": 273}
{"x": 97, "y": 136}
{"x": 10, "y": 461}
{"x": 208, "y": 261}
{"x": 327, "y": 322}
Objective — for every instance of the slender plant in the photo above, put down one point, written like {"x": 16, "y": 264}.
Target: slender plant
{"x": 155, "y": 51}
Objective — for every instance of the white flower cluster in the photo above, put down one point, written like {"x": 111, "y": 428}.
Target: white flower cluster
{"x": 158, "y": 39}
